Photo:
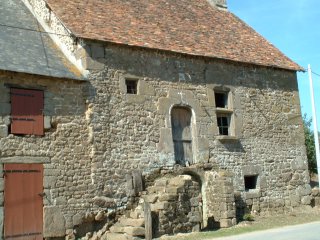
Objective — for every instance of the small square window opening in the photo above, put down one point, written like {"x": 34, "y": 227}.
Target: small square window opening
{"x": 250, "y": 182}
{"x": 221, "y": 99}
{"x": 223, "y": 121}
{"x": 132, "y": 86}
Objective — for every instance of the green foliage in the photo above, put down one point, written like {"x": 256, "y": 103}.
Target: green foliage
{"x": 248, "y": 217}
{"x": 310, "y": 145}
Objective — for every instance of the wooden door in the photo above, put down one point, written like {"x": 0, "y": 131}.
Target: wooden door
{"x": 23, "y": 203}
{"x": 182, "y": 135}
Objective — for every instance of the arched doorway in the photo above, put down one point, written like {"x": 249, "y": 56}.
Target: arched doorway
{"x": 182, "y": 135}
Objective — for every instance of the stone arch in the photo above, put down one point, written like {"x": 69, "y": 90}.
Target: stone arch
{"x": 186, "y": 99}
{"x": 199, "y": 176}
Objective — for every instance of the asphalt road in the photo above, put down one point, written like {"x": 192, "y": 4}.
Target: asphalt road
{"x": 309, "y": 231}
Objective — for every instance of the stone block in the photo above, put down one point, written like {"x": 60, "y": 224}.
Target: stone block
{"x": 196, "y": 228}
{"x": 7, "y": 120}
{"x": 78, "y": 218}
{"x": 116, "y": 236}
{"x": 47, "y": 122}
{"x": 97, "y": 51}
{"x": 156, "y": 189}
{"x": 306, "y": 200}
{"x": 151, "y": 198}
{"x": 137, "y": 181}
{"x": 1, "y": 199}
{"x": 195, "y": 218}
{"x": 49, "y": 181}
{"x": 3, "y": 131}
{"x": 135, "y": 214}
{"x": 134, "y": 231}
{"x": 159, "y": 206}
{"x": 167, "y": 197}
{"x": 103, "y": 202}
{"x": 294, "y": 200}
{"x": 161, "y": 182}
{"x": 299, "y": 164}
{"x": 164, "y": 105}
{"x": 54, "y": 222}
{"x": 165, "y": 144}
{"x": 135, "y": 98}
{"x": 317, "y": 201}
{"x": 315, "y": 192}
{"x": 60, "y": 200}
{"x": 173, "y": 190}
{"x": 117, "y": 228}
{"x": 5, "y": 108}
{"x": 304, "y": 190}
{"x": 22, "y": 159}
{"x": 1, "y": 221}
{"x": 252, "y": 194}
{"x": 83, "y": 52}
{"x": 145, "y": 89}
{"x": 91, "y": 64}
{"x": 194, "y": 202}
{"x": 132, "y": 222}
{"x": 225, "y": 223}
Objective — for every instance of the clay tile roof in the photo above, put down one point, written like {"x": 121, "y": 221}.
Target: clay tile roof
{"x": 185, "y": 26}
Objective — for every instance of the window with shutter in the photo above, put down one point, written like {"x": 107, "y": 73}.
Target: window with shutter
{"x": 27, "y": 111}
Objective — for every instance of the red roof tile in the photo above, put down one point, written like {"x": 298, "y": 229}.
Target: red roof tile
{"x": 185, "y": 26}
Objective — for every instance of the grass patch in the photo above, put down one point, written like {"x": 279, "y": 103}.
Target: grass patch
{"x": 260, "y": 223}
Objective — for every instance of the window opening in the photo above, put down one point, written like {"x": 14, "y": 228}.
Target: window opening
{"x": 223, "y": 121}
{"x": 221, "y": 99}
{"x": 132, "y": 86}
{"x": 250, "y": 182}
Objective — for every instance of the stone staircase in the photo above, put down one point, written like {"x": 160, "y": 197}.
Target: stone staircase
{"x": 164, "y": 199}
{"x": 128, "y": 227}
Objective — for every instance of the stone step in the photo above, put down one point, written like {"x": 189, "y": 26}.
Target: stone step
{"x": 155, "y": 189}
{"x": 135, "y": 231}
{"x": 132, "y": 222}
{"x": 117, "y": 228}
{"x": 137, "y": 213}
{"x": 119, "y": 236}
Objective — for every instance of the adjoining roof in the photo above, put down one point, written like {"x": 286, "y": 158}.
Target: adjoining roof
{"x": 185, "y": 26}
{"x": 25, "y": 49}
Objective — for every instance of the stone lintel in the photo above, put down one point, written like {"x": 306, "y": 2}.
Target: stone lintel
{"x": 25, "y": 159}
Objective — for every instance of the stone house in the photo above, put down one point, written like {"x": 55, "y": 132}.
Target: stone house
{"x": 182, "y": 118}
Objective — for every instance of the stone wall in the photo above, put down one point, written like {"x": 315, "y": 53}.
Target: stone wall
{"x": 268, "y": 136}
{"x": 63, "y": 150}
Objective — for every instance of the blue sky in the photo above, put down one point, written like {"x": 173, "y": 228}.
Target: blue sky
{"x": 293, "y": 27}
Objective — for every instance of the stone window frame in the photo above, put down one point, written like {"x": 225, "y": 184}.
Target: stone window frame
{"x": 233, "y": 108}
{"x": 250, "y": 180}
{"x": 132, "y": 85}
{"x": 7, "y": 113}
{"x": 250, "y": 170}
{"x": 227, "y": 111}
{"x": 143, "y": 88}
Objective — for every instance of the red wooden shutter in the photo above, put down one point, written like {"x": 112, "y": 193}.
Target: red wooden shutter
{"x": 26, "y": 111}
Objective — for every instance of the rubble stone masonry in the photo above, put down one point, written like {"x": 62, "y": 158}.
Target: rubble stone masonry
{"x": 97, "y": 134}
